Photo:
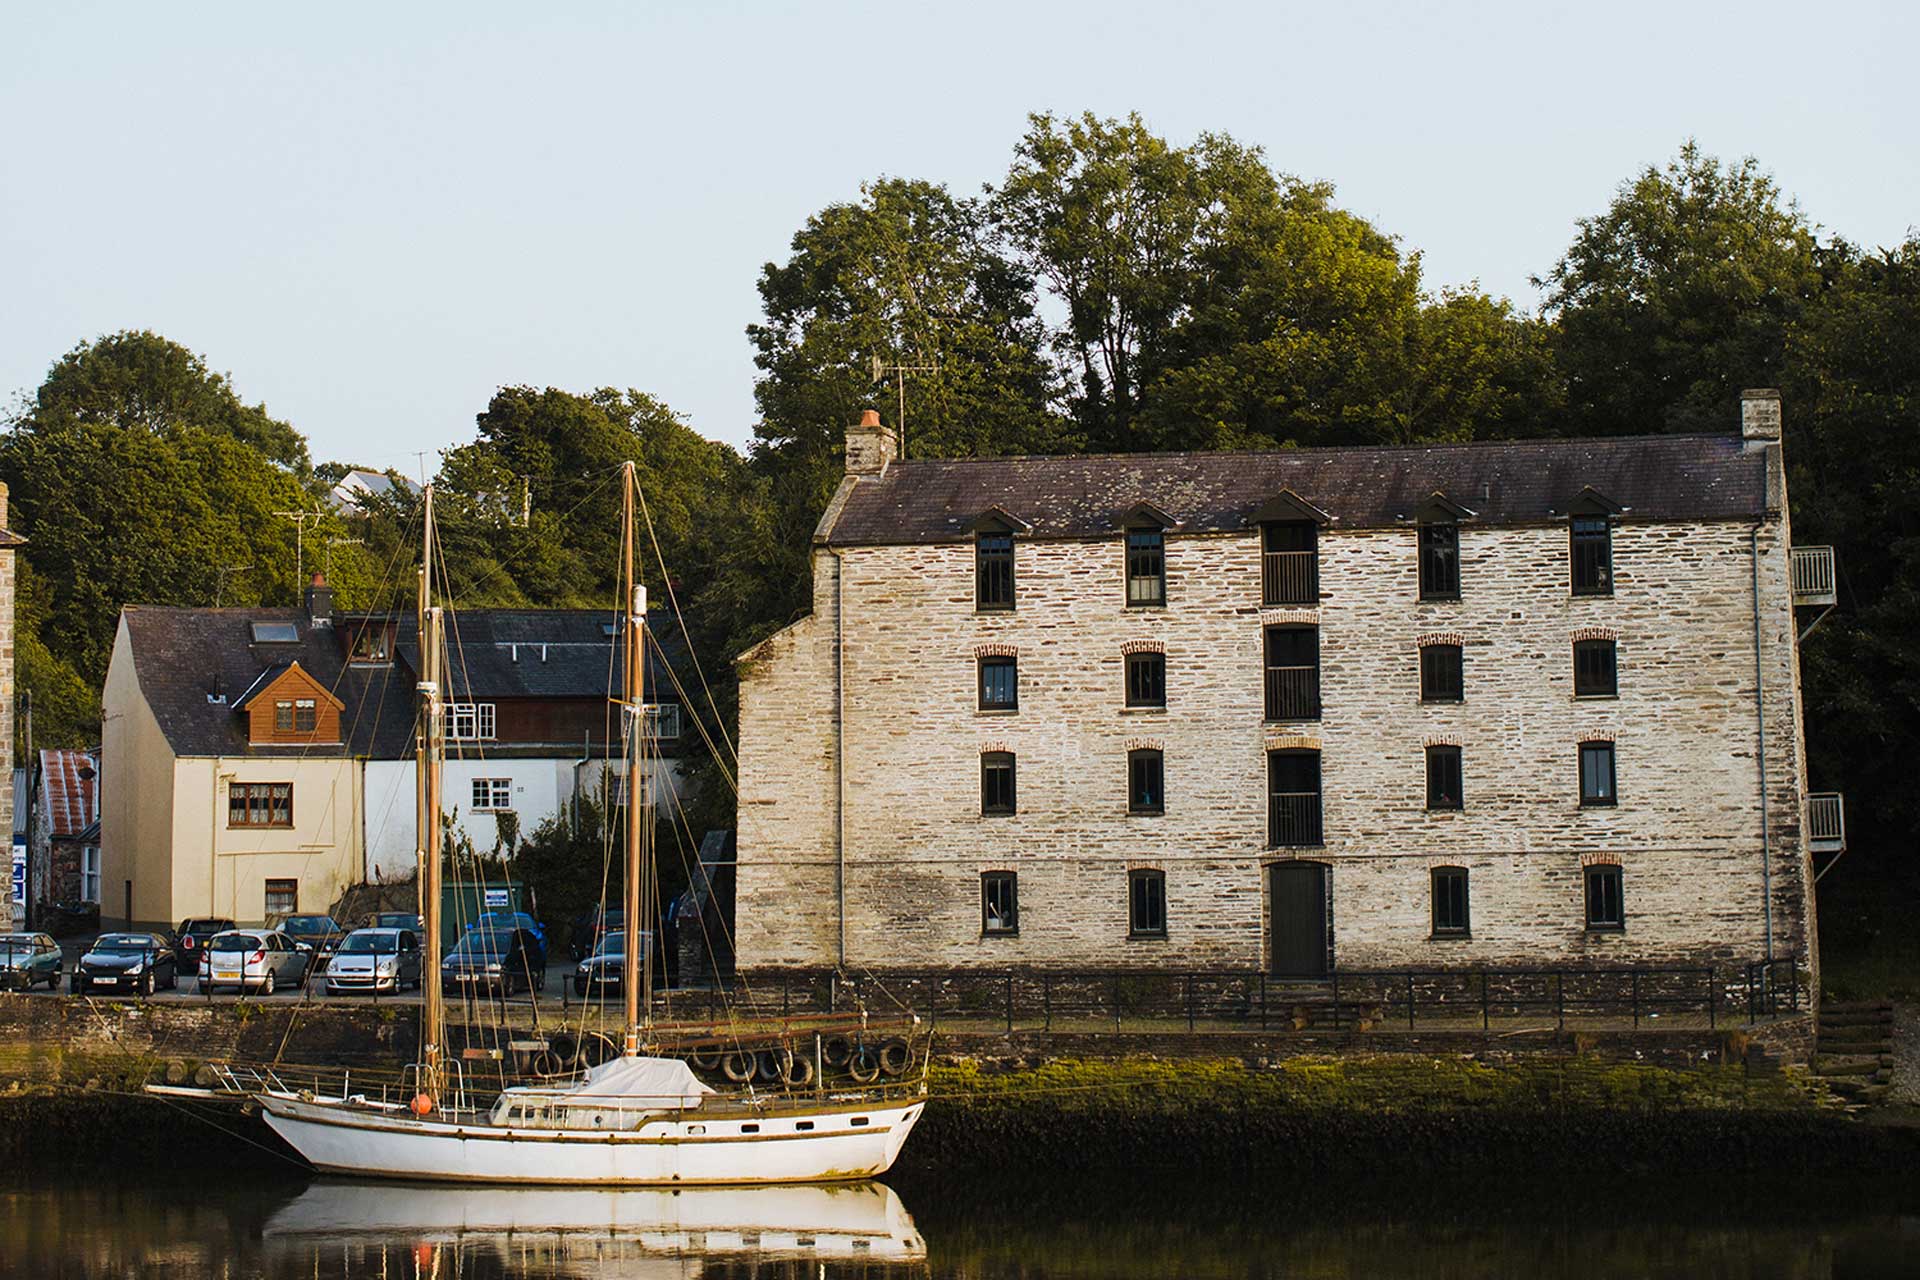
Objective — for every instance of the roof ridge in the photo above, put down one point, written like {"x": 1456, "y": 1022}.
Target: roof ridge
{"x": 1286, "y": 452}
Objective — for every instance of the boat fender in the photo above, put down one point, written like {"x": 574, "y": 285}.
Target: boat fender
{"x": 837, "y": 1051}
{"x": 206, "y": 1077}
{"x": 774, "y": 1064}
{"x": 799, "y": 1072}
{"x": 895, "y": 1057}
{"x": 547, "y": 1063}
{"x": 864, "y": 1066}
{"x": 422, "y": 1104}
{"x": 707, "y": 1059}
{"x": 176, "y": 1072}
{"x": 737, "y": 1066}
{"x": 597, "y": 1048}
{"x": 565, "y": 1048}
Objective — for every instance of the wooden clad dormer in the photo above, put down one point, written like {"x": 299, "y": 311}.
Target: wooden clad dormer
{"x": 288, "y": 707}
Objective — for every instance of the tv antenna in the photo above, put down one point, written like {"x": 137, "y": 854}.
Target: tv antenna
{"x": 300, "y": 519}
{"x": 220, "y": 581}
{"x": 333, "y": 542}
{"x": 900, "y": 371}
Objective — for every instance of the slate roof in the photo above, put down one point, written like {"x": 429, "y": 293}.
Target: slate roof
{"x": 534, "y": 653}
{"x": 72, "y": 801}
{"x": 1653, "y": 478}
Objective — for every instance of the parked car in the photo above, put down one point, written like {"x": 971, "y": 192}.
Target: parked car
{"x": 520, "y": 920}
{"x": 321, "y": 933}
{"x": 27, "y": 958}
{"x": 263, "y": 958}
{"x": 192, "y": 937}
{"x": 396, "y": 920}
{"x": 375, "y": 960}
{"x": 491, "y": 959}
{"x": 590, "y": 926}
{"x": 127, "y": 962}
{"x": 606, "y": 969}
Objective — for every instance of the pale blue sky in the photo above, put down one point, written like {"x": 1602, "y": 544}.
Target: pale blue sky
{"x": 373, "y": 215}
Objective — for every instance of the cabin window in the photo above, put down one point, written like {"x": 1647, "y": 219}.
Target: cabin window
{"x": 1597, "y": 774}
{"x": 1439, "y": 562}
{"x": 492, "y": 794}
{"x": 1595, "y": 672}
{"x": 749, "y": 1128}
{"x": 259, "y": 804}
{"x": 857, "y": 1121}
{"x": 1146, "y": 568}
{"x": 1606, "y": 910}
{"x": 996, "y": 782}
{"x": 1146, "y": 775}
{"x": 283, "y": 897}
{"x": 993, "y": 572}
{"x": 1146, "y": 904}
{"x": 1441, "y": 675}
{"x": 1146, "y": 679}
{"x": 1450, "y": 902}
{"x": 999, "y": 684}
{"x": 999, "y": 904}
{"x": 803, "y": 1125}
{"x": 1592, "y": 550}
{"x": 470, "y": 721}
{"x": 1443, "y": 777}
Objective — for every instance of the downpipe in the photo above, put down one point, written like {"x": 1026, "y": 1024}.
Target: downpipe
{"x": 1760, "y": 718}
{"x": 839, "y": 756}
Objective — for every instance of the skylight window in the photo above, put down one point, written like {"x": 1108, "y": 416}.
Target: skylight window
{"x": 275, "y": 633}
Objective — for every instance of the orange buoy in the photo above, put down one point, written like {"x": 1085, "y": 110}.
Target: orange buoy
{"x": 422, "y": 1104}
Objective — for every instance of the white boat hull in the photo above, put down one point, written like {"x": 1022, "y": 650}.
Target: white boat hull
{"x": 681, "y": 1148}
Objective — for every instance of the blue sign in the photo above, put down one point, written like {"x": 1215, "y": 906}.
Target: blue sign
{"x": 19, "y": 873}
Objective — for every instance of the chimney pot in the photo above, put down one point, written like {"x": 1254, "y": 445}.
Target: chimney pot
{"x": 1760, "y": 414}
{"x": 319, "y": 601}
{"x": 871, "y": 446}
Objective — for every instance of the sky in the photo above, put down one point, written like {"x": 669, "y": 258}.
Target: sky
{"x": 373, "y": 215}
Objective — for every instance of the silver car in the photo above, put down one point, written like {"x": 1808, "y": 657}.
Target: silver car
{"x": 375, "y": 960}
{"x": 263, "y": 958}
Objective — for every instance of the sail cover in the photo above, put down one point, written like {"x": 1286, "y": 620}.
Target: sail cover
{"x": 666, "y": 1081}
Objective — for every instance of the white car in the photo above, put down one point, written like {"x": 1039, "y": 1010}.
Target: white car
{"x": 375, "y": 960}
{"x": 263, "y": 958}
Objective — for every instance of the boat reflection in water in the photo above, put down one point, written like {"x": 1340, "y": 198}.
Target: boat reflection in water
{"x": 552, "y": 1231}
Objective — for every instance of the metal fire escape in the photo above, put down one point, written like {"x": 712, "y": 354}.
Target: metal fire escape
{"x": 1814, "y": 591}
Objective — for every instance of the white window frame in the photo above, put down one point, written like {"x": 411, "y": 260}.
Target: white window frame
{"x": 268, "y": 891}
{"x": 663, "y": 721}
{"x": 492, "y": 795}
{"x": 470, "y": 721}
{"x": 90, "y": 873}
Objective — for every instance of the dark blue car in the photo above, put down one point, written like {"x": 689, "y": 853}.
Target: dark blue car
{"x": 520, "y": 920}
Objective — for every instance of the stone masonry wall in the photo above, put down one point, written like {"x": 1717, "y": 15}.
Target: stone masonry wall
{"x": 7, "y": 696}
{"x": 1686, "y": 830}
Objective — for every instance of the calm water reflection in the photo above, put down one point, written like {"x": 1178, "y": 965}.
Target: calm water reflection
{"x": 135, "y": 1226}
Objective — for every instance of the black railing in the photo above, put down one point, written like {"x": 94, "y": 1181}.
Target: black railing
{"x": 1775, "y": 988}
{"x": 1293, "y": 819}
{"x": 1293, "y": 693}
{"x": 1290, "y": 577}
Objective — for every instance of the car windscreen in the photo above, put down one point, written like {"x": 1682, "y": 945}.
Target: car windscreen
{"x": 237, "y": 942}
{"x": 614, "y": 944}
{"x": 395, "y": 920}
{"x": 17, "y": 940}
{"x": 126, "y": 942}
{"x": 484, "y": 942}
{"x": 205, "y": 926}
{"x": 365, "y": 944}
{"x": 307, "y": 924}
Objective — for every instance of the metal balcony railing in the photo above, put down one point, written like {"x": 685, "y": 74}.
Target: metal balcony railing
{"x": 1813, "y": 585}
{"x": 1293, "y": 693}
{"x": 1293, "y": 818}
{"x": 1826, "y": 821}
{"x": 1291, "y": 577}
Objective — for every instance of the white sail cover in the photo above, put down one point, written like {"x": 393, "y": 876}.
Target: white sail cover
{"x": 668, "y": 1082}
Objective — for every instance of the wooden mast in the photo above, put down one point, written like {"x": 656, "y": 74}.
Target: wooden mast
{"x": 427, "y": 755}
{"x": 637, "y": 978}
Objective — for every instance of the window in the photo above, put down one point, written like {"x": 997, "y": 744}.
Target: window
{"x": 993, "y": 571}
{"x": 1146, "y": 567}
{"x": 275, "y": 633}
{"x": 492, "y": 794}
{"x": 1450, "y": 902}
{"x": 259, "y": 804}
{"x": 1605, "y": 907}
{"x": 1293, "y": 798}
{"x": 1596, "y": 773}
{"x": 1290, "y": 563}
{"x": 90, "y": 873}
{"x": 1443, "y": 778}
{"x": 1441, "y": 678}
{"x": 1293, "y": 673}
{"x": 999, "y": 902}
{"x": 371, "y": 643}
{"x": 306, "y": 715}
{"x": 283, "y": 898}
{"x": 470, "y": 721}
{"x": 1439, "y": 562}
{"x": 1146, "y": 771}
{"x": 1592, "y": 556}
{"x": 1146, "y": 904}
{"x": 1146, "y": 679}
{"x": 663, "y": 721}
{"x": 996, "y": 782}
{"x": 1594, "y": 672}
{"x": 283, "y": 716}
{"x": 999, "y": 684}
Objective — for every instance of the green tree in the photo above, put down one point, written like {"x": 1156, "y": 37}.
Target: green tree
{"x": 1678, "y": 295}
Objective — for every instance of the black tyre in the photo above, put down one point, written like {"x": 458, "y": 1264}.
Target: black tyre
{"x": 772, "y": 1065}
{"x": 738, "y": 1066}
{"x": 267, "y": 984}
{"x": 864, "y": 1066}
{"x": 580, "y": 987}
{"x": 148, "y": 983}
{"x": 799, "y": 1072}
{"x": 706, "y": 1059}
{"x": 836, "y": 1051}
{"x": 896, "y": 1057}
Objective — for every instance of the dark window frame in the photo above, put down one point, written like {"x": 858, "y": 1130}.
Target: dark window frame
{"x": 1439, "y": 556}
{"x": 1295, "y": 812}
{"x": 1146, "y": 893}
{"x": 1146, "y": 563}
{"x": 1450, "y": 889}
{"x": 1141, "y": 689}
{"x": 1604, "y": 888}
{"x": 1279, "y": 585}
{"x": 997, "y": 662}
{"x": 1435, "y": 670}
{"x": 1610, "y": 797}
{"x": 991, "y": 802}
{"x": 1443, "y": 757}
{"x": 1008, "y": 883}
{"x": 1287, "y": 694}
{"x": 993, "y": 573}
{"x": 1590, "y": 555}
{"x": 1601, "y": 679}
{"x": 1146, "y": 776}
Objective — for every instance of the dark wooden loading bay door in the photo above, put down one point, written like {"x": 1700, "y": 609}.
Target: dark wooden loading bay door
{"x": 1297, "y": 907}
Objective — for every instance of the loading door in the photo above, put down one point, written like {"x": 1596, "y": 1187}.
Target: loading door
{"x": 1297, "y": 907}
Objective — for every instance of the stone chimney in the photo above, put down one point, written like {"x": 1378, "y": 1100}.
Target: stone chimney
{"x": 320, "y": 602}
{"x": 871, "y": 446}
{"x": 1760, "y": 414}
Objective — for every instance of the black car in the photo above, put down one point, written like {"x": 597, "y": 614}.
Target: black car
{"x": 396, "y": 920}
{"x": 605, "y": 969}
{"x": 589, "y": 927}
{"x": 492, "y": 960}
{"x": 193, "y": 935}
{"x": 127, "y": 962}
{"x": 322, "y": 934}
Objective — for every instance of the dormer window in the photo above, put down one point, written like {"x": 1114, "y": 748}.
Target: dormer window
{"x": 1289, "y": 550}
{"x": 295, "y": 715}
{"x": 372, "y": 642}
{"x": 1439, "y": 562}
{"x": 285, "y": 705}
{"x": 1146, "y": 568}
{"x": 1592, "y": 551}
{"x": 993, "y": 572}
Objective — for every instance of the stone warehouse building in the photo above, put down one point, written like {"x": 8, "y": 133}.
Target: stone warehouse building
{"x": 1502, "y": 704}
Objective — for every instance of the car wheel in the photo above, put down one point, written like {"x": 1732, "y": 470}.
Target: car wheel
{"x": 580, "y": 987}
{"x": 53, "y": 980}
{"x": 266, "y": 984}
{"x": 147, "y": 984}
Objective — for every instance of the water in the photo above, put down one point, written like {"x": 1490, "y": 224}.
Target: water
{"x": 133, "y": 1225}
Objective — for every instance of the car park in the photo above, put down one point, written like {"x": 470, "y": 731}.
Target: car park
{"x": 491, "y": 960}
{"x": 191, "y": 940}
{"x": 28, "y": 960}
{"x": 265, "y": 959}
{"x": 522, "y": 921}
{"x": 375, "y": 960}
{"x": 320, "y": 933}
{"x": 141, "y": 962}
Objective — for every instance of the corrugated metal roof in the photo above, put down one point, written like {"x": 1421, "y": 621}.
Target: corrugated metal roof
{"x": 70, "y": 791}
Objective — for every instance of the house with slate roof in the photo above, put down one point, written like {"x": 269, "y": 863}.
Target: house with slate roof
{"x": 1515, "y": 704}
{"x": 263, "y": 758}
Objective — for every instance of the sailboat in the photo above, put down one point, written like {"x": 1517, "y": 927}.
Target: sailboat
{"x": 638, "y": 1119}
